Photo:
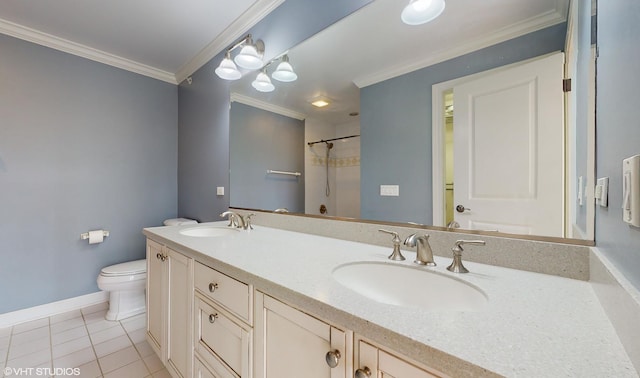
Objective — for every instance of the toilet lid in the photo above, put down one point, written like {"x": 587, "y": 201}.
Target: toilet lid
{"x": 123, "y": 269}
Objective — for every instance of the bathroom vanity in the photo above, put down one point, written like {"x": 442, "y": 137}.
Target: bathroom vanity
{"x": 270, "y": 303}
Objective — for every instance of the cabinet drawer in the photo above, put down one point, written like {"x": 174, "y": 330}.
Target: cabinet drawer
{"x": 220, "y": 341}
{"x": 201, "y": 370}
{"x": 230, "y": 293}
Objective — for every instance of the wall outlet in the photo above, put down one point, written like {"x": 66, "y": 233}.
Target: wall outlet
{"x": 631, "y": 190}
{"x": 220, "y": 191}
{"x": 602, "y": 192}
{"x": 390, "y": 190}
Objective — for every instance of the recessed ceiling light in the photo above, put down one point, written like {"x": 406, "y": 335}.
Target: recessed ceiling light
{"x": 320, "y": 102}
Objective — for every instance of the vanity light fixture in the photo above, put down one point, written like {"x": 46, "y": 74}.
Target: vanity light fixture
{"x": 284, "y": 72}
{"x": 227, "y": 69}
{"x": 422, "y": 11}
{"x": 262, "y": 83}
{"x": 250, "y": 57}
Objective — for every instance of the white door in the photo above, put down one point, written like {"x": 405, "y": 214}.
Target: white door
{"x": 508, "y": 150}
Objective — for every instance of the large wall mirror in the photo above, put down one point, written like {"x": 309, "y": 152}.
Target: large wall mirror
{"x": 405, "y": 101}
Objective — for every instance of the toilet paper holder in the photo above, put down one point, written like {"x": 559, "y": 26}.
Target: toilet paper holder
{"x": 85, "y": 235}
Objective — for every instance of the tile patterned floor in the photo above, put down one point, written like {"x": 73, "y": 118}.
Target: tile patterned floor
{"x": 79, "y": 343}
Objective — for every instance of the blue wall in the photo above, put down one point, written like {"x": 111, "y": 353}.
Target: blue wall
{"x": 82, "y": 146}
{"x": 395, "y": 118}
{"x": 618, "y": 126}
{"x": 203, "y": 162}
{"x": 261, "y": 140}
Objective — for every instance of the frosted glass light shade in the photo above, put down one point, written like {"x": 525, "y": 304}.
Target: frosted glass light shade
{"x": 422, "y": 11}
{"x": 227, "y": 70}
{"x": 249, "y": 58}
{"x": 262, "y": 83}
{"x": 284, "y": 72}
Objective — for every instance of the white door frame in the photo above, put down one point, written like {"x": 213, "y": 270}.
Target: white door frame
{"x": 438, "y": 134}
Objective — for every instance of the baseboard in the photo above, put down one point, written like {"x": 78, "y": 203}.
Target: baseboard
{"x": 33, "y": 313}
{"x": 620, "y": 301}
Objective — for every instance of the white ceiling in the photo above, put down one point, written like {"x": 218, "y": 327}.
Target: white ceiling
{"x": 373, "y": 45}
{"x": 167, "y": 40}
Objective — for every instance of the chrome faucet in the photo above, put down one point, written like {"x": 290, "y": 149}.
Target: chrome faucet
{"x": 456, "y": 265}
{"x": 236, "y": 220}
{"x": 424, "y": 254}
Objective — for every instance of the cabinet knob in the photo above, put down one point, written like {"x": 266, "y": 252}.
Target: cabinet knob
{"x": 212, "y": 318}
{"x": 365, "y": 372}
{"x": 213, "y": 287}
{"x": 160, "y": 256}
{"x": 333, "y": 358}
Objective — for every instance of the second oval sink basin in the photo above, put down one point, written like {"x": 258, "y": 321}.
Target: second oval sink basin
{"x": 208, "y": 232}
{"x": 407, "y": 286}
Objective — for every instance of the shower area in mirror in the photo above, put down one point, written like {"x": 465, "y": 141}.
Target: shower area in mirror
{"x": 332, "y": 167}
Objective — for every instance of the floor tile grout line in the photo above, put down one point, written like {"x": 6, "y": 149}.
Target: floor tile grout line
{"x": 50, "y": 343}
{"x": 6, "y": 358}
{"x": 84, "y": 321}
{"x": 136, "y": 349}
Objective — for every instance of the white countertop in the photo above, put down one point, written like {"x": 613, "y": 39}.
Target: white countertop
{"x": 534, "y": 325}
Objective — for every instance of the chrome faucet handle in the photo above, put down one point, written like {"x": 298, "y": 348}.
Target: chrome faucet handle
{"x": 424, "y": 254}
{"x": 456, "y": 265}
{"x": 247, "y": 221}
{"x": 396, "y": 255}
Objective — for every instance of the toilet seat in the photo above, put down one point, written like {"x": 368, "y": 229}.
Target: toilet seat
{"x": 125, "y": 269}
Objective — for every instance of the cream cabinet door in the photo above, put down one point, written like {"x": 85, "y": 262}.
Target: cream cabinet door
{"x": 169, "y": 307}
{"x": 377, "y": 363}
{"x": 179, "y": 310}
{"x": 156, "y": 296}
{"x": 290, "y": 343}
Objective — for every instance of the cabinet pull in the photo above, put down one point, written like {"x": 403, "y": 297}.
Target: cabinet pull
{"x": 212, "y": 318}
{"x": 160, "y": 256}
{"x": 213, "y": 287}
{"x": 333, "y": 358}
{"x": 365, "y": 372}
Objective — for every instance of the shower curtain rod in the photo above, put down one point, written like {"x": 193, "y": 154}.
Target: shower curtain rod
{"x": 330, "y": 140}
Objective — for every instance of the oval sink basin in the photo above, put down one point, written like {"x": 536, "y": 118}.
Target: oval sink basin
{"x": 208, "y": 232}
{"x": 407, "y": 286}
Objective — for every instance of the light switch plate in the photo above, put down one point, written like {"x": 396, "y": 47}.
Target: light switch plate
{"x": 390, "y": 190}
{"x": 220, "y": 191}
{"x": 602, "y": 192}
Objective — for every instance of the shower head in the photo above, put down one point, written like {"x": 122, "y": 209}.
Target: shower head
{"x": 329, "y": 145}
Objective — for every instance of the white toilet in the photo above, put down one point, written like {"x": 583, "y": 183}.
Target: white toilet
{"x": 126, "y": 284}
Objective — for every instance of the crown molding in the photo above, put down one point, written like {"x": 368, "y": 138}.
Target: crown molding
{"x": 61, "y": 44}
{"x": 236, "y": 97}
{"x": 542, "y": 21}
{"x": 248, "y": 19}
